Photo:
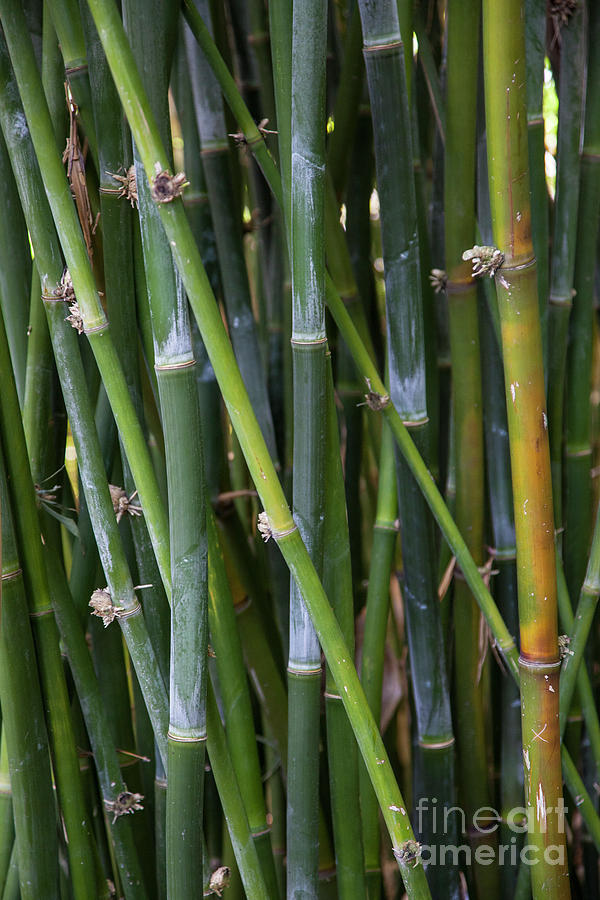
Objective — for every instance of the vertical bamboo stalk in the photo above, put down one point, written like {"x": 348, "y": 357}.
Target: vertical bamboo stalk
{"x": 571, "y": 89}
{"x": 174, "y": 364}
{"x": 308, "y": 351}
{"x": 516, "y": 283}
{"x": 578, "y": 450}
{"x": 24, "y": 736}
{"x": 341, "y": 745}
{"x": 467, "y": 415}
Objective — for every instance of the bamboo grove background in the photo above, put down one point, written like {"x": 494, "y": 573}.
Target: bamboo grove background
{"x": 299, "y": 370}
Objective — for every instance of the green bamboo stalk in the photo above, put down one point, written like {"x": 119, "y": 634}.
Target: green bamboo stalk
{"x": 7, "y": 824}
{"x": 308, "y": 352}
{"x": 580, "y": 629}
{"x": 106, "y": 759}
{"x": 15, "y": 274}
{"x": 215, "y": 159}
{"x": 345, "y": 113}
{"x": 115, "y": 158}
{"x": 578, "y": 451}
{"x": 459, "y": 192}
{"x": 504, "y": 561}
{"x": 38, "y": 383}
{"x": 24, "y": 736}
{"x": 535, "y": 32}
{"x": 62, "y": 741}
{"x": 229, "y": 793}
{"x": 516, "y": 285}
{"x": 67, "y": 22}
{"x": 12, "y": 887}
{"x": 385, "y": 533}
{"x": 571, "y": 90}
{"x": 386, "y": 71}
{"x": 174, "y": 366}
{"x": 236, "y": 702}
{"x": 341, "y": 745}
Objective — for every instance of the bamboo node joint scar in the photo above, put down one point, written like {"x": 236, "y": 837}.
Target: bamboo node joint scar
{"x": 103, "y": 607}
{"x": 267, "y": 532}
{"x": 408, "y": 853}
{"x": 166, "y": 187}
{"x": 125, "y": 803}
{"x": 374, "y": 400}
{"x": 485, "y": 260}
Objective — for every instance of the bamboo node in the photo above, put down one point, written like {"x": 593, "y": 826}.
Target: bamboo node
{"x": 75, "y": 318}
{"x": 264, "y": 526}
{"x": 485, "y": 260}
{"x": 64, "y": 290}
{"x": 103, "y": 606}
{"x": 563, "y": 646}
{"x": 166, "y": 187}
{"x": 408, "y": 853}
{"x": 438, "y": 279}
{"x": 122, "y": 503}
{"x": 125, "y": 802}
{"x": 373, "y": 400}
{"x": 128, "y": 183}
{"x": 219, "y": 880}
{"x": 266, "y": 531}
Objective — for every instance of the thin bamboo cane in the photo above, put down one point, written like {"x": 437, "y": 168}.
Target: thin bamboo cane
{"x": 106, "y": 759}
{"x": 504, "y": 561}
{"x": 7, "y": 823}
{"x": 215, "y": 153}
{"x": 236, "y": 702}
{"x": 578, "y": 451}
{"x": 373, "y": 649}
{"x": 67, "y": 22}
{"x": 345, "y": 113}
{"x": 398, "y": 214}
{"x": 530, "y": 461}
{"x": 341, "y": 746}
{"x": 571, "y": 89}
{"x": 535, "y": 30}
{"x": 459, "y": 193}
{"x": 15, "y": 273}
{"x": 233, "y": 808}
{"x": 308, "y": 351}
{"x": 24, "y": 736}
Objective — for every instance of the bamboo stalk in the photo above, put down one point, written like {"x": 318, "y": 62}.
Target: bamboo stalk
{"x": 308, "y": 353}
{"x": 535, "y": 28}
{"x": 174, "y": 364}
{"x": 516, "y": 285}
{"x": 341, "y": 746}
{"x": 385, "y": 533}
{"x": 571, "y": 89}
{"x": 24, "y": 736}
{"x": 578, "y": 451}
{"x": 467, "y": 415}
{"x": 215, "y": 160}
